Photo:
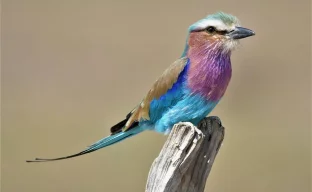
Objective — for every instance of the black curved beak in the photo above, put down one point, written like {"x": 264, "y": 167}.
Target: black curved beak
{"x": 240, "y": 33}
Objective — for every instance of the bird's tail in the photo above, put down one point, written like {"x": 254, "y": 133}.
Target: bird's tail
{"x": 112, "y": 139}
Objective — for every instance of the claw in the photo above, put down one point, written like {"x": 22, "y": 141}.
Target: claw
{"x": 217, "y": 119}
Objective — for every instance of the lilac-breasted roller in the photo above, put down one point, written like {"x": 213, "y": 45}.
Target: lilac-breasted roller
{"x": 189, "y": 89}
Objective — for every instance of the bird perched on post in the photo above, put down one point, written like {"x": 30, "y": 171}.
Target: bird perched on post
{"x": 189, "y": 89}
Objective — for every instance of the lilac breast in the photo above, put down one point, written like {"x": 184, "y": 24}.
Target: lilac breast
{"x": 209, "y": 75}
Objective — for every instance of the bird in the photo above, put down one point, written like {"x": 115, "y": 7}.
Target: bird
{"x": 189, "y": 89}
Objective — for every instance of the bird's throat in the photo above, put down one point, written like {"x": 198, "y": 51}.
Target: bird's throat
{"x": 210, "y": 71}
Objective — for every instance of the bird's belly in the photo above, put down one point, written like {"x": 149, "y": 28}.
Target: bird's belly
{"x": 190, "y": 108}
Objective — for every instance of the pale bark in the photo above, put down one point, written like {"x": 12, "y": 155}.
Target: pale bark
{"x": 186, "y": 159}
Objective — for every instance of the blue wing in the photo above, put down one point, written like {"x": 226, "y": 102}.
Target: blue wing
{"x": 159, "y": 106}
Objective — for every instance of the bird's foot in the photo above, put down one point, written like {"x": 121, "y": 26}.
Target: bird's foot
{"x": 217, "y": 119}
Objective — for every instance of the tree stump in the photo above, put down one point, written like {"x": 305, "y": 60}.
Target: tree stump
{"x": 186, "y": 158}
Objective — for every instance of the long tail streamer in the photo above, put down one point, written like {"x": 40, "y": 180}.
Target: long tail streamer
{"x": 112, "y": 139}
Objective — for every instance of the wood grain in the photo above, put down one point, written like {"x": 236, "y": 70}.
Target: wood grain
{"x": 186, "y": 159}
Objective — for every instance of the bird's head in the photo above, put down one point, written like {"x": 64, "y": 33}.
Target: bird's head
{"x": 219, "y": 31}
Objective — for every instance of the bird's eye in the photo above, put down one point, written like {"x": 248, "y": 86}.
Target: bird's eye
{"x": 210, "y": 29}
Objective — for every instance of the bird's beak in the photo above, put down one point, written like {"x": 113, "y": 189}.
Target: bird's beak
{"x": 240, "y": 33}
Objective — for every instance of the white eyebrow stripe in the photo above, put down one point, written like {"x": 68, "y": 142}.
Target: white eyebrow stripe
{"x": 205, "y": 23}
{"x": 219, "y": 25}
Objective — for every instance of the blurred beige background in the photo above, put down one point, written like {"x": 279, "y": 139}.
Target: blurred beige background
{"x": 71, "y": 69}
